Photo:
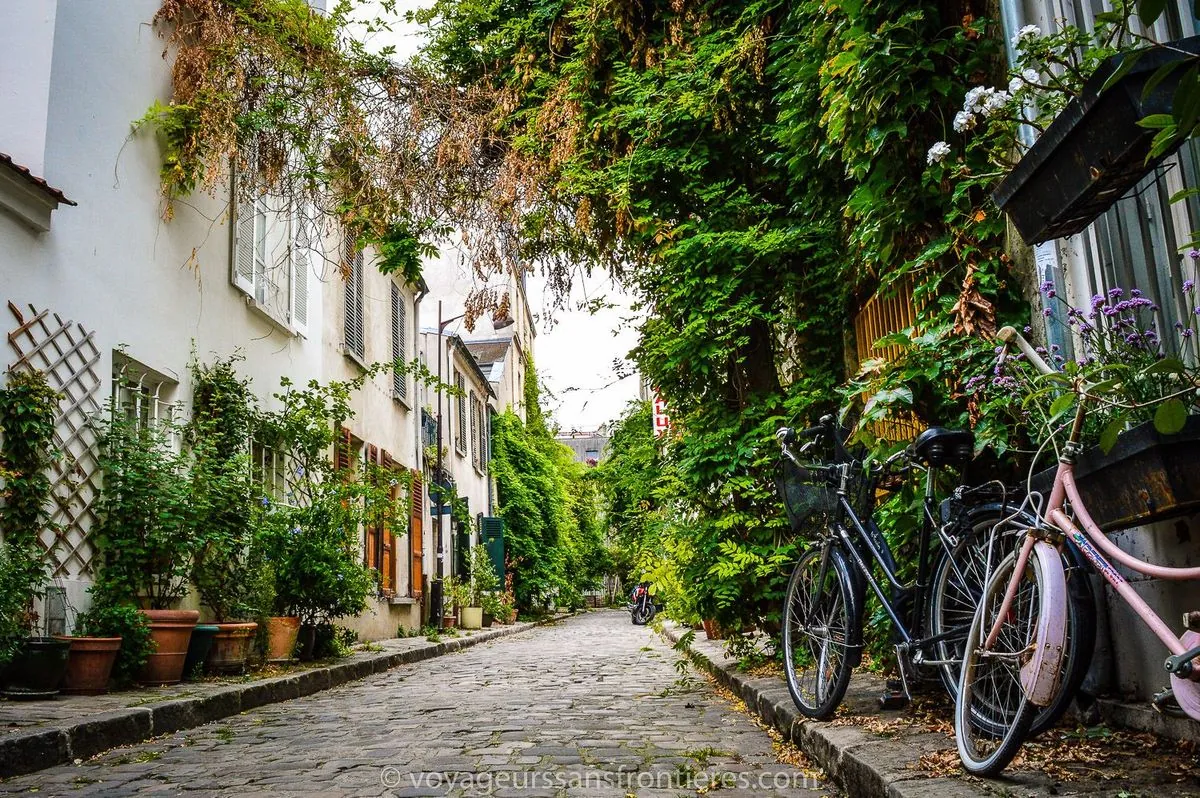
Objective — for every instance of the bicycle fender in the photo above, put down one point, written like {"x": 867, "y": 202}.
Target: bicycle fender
{"x": 1040, "y": 674}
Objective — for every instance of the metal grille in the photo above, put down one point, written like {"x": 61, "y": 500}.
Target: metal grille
{"x": 67, "y": 354}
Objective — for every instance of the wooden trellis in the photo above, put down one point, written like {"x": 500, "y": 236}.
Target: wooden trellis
{"x": 67, "y": 354}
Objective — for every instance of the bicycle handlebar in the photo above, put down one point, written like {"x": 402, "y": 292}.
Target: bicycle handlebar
{"x": 1009, "y": 335}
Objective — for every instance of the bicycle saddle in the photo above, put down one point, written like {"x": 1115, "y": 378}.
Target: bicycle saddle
{"x": 938, "y": 446}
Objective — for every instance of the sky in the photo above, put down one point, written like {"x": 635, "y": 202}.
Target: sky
{"x": 574, "y": 350}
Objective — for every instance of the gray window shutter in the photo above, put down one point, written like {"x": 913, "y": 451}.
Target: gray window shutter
{"x": 399, "y": 350}
{"x": 242, "y": 272}
{"x": 300, "y": 270}
{"x": 354, "y": 332}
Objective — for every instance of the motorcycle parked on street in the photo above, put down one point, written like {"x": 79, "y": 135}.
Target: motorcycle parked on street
{"x": 641, "y": 605}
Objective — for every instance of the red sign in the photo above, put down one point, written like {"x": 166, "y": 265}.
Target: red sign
{"x": 661, "y": 421}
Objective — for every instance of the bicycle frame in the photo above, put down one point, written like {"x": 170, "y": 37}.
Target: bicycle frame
{"x": 1091, "y": 541}
{"x": 881, "y": 554}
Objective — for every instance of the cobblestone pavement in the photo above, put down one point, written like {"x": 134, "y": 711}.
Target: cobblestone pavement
{"x": 587, "y": 707}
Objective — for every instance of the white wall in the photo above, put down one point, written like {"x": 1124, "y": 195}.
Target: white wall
{"x": 26, "y": 49}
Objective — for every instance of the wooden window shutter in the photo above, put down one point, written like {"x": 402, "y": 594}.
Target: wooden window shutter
{"x": 387, "y": 562}
{"x": 461, "y": 406}
{"x": 399, "y": 348}
{"x": 373, "y": 534}
{"x": 416, "y": 572}
{"x": 301, "y": 258}
{"x": 341, "y": 451}
{"x": 242, "y": 256}
{"x": 474, "y": 430}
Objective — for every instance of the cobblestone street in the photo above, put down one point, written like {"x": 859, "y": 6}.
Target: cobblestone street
{"x": 589, "y": 706}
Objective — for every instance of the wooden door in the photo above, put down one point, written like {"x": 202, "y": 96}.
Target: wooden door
{"x": 416, "y": 536}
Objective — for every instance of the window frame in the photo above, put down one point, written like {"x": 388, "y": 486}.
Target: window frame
{"x": 252, "y": 271}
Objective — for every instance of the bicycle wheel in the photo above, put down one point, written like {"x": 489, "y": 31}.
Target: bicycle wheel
{"x": 819, "y": 634}
{"x": 992, "y": 713}
{"x": 957, "y": 585}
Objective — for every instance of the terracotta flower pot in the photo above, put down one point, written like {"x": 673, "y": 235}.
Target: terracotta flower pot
{"x": 449, "y": 621}
{"x": 171, "y": 631}
{"x": 230, "y": 648}
{"x": 90, "y": 664}
{"x": 282, "y": 632}
{"x": 36, "y": 670}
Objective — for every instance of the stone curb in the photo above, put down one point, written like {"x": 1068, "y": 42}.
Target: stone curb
{"x": 865, "y": 765}
{"x": 47, "y": 746}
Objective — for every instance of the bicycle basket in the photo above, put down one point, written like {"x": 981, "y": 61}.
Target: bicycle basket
{"x": 804, "y": 492}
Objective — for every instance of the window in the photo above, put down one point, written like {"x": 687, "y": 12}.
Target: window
{"x": 271, "y": 257}
{"x": 355, "y": 335}
{"x": 141, "y": 394}
{"x": 268, "y": 470}
{"x": 399, "y": 345}
{"x": 460, "y": 383}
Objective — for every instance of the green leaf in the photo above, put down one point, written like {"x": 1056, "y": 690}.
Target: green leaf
{"x": 1150, "y": 10}
{"x": 1170, "y": 417}
{"x": 1127, "y": 63}
{"x": 1108, "y": 438}
{"x": 1104, "y": 386}
{"x": 1156, "y": 121}
{"x": 1168, "y": 365}
{"x": 1062, "y": 404}
{"x": 1187, "y": 99}
{"x": 1164, "y": 142}
{"x": 1160, "y": 74}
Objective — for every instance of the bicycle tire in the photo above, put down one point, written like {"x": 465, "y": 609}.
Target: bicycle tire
{"x": 952, "y": 603}
{"x": 992, "y": 712}
{"x": 828, "y": 617}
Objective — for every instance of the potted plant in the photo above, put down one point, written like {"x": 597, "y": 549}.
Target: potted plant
{"x": 226, "y": 556}
{"x": 32, "y": 666}
{"x": 1098, "y": 146}
{"x": 111, "y": 643}
{"x": 1142, "y": 434}
{"x": 481, "y": 582}
{"x": 144, "y": 533}
{"x": 311, "y": 543}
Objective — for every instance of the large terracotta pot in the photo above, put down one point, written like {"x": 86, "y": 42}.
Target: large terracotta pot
{"x": 90, "y": 664}
{"x": 171, "y": 631}
{"x": 282, "y": 632}
{"x": 230, "y": 648}
{"x": 198, "y": 648}
{"x": 36, "y": 670}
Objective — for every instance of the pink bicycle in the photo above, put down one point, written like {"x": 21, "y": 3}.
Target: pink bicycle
{"x": 1011, "y": 665}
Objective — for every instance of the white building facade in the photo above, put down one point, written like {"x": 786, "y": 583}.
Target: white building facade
{"x": 106, "y": 291}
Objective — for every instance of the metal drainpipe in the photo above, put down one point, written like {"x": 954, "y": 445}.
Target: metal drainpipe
{"x": 417, "y": 433}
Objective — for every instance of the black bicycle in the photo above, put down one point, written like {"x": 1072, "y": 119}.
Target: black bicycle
{"x": 826, "y": 595}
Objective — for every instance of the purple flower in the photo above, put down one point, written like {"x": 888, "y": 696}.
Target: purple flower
{"x": 266, "y": 502}
{"x": 1178, "y": 325}
{"x": 1097, "y": 301}
{"x": 1110, "y": 312}
{"x": 1028, "y": 329}
{"x": 1135, "y": 292}
{"x": 1116, "y": 293}
{"x": 1047, "y": 286}
{"x": 1041, "y": 350}
{"x": 1194, "y": 253}
{"x": 1047, "y": 312}
{"x": 1053, "y": 347}
{"x": 1187, "y": 333}
{"x": 1188, "y": 285}
{"x": 1132, "y": 338}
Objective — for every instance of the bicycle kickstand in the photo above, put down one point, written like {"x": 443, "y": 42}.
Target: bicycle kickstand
{"x": 898, "y": 695}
